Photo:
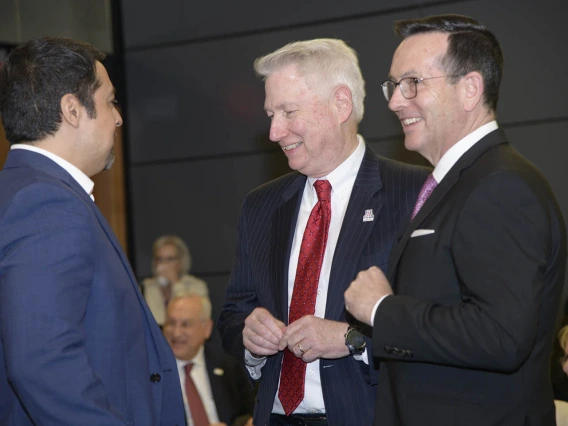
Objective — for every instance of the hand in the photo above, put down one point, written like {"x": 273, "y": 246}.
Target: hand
{"x": 218, "y": 424}
{"x": 167, "y": 273}
{"x": 364, "y": 292}
{"x": 262, "y": 333}
{"x": 311, "y": 338}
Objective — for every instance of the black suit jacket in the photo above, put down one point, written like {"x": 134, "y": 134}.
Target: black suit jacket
{"x": 260, "y": 273}
{"x": 467, "y": 338}
{"x": 232, "y": 392}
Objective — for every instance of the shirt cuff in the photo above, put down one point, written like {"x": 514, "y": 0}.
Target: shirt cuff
{"x": 364, "y": 357}
{"x": 254, "y": 365}
{"x": 376, "y": 307}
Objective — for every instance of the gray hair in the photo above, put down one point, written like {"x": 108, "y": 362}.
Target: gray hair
{"x": 330, "y": 61}
{"x": 177, "y": 242}
{"x": 205, "y": 303}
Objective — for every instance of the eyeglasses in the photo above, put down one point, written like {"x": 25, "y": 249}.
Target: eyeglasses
{"x": 407, "y": 86}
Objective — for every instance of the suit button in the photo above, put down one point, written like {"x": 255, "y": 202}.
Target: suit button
{"x": 155, "y": 378}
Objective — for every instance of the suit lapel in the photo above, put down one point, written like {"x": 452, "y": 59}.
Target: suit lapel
{"x": 354, "y": 232}
{"x": 283, "y": 227}
{"x": 34, "y": 160}
{"x": 452, "y": 177}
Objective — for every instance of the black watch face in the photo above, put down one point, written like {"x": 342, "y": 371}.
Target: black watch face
{"x": 356, "y": 340}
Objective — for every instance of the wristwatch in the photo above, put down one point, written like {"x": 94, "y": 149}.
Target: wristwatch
{"x": 355, "y": 341}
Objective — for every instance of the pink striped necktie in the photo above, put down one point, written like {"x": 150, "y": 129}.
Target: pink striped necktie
{"x": 425, "y": 192}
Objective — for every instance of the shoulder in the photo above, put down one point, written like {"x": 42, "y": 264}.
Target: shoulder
{"x": 393, "y": 168}
{"x": 276, "y": 187}
{"x": 270, "y": 195}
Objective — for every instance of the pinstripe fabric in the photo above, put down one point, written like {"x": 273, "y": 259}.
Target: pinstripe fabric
{"x": 259, "y": 276}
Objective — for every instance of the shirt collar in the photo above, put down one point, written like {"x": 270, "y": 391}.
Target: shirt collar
{"x": 343, "y": 176}
{"x": 81, "y": 178}
{"x": 460, "y": 148}
{"x": 198, "y": 360}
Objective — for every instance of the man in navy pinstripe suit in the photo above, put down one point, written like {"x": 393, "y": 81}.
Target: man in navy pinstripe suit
{"x": 314, "y": 99}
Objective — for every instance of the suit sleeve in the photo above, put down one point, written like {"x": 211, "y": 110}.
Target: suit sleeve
{"x": 240, "y": 296}
{"x": 47, "y": 268}
{"x": 500, "y": 249}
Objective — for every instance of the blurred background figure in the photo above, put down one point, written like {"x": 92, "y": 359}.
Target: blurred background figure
{"x": 559, "y": 366}
{"x": 215, "y": 389}
{"x": 171, "y": 262}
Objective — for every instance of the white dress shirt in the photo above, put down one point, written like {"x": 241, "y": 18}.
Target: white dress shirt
{"x": 341, "y": 180}
{"x": 201, "y": 379}
{"x": 81, "y": 178}
{"x": 447, "y": 161}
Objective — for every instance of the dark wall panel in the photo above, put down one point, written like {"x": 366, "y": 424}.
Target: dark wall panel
{"x": 200, "y": 201}
{"x": 204, "y": 99}
{"x": 151, "y": 23}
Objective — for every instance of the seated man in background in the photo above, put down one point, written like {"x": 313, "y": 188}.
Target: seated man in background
{"x": 171, "y": 262}
{"x": 215, "y": 389}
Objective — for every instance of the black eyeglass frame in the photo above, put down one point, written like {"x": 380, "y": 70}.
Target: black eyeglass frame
{"x": 415, "y": 80}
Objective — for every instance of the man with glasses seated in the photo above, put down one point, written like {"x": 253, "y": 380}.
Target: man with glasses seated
{"x": 171, "y": 262}
{"x": 477, "y": 275}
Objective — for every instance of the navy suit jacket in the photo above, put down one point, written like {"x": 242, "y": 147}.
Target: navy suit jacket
{"x": 260, "y": 274}
{"x": 78, "y": 345}
{"x": 467, "y": 338}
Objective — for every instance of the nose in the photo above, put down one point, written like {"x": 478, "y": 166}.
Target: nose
{"x": 397, "y": 101}
{"x": 278, "y": 129}
{"x": 118, "y": 118}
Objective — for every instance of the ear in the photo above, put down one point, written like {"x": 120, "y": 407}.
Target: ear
{"x": 343, "y": 102}
{"x": 473, "y": 89}
{"x": 71, "y": 109}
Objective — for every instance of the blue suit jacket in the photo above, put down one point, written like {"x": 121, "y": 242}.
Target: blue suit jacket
{"x": 78, "y": 344}
{"x": 260, "y": 274}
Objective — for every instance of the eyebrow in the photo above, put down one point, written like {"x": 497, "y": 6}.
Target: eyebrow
{"x": 283, "y": 105}
{"x": 411, "y": 73}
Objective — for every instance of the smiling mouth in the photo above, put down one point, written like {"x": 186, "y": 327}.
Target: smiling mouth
{"x": 409, "y": 121}
{"x": 292, "y": 146}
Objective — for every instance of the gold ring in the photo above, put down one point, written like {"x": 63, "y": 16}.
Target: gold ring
{"x": 299, "y": 347}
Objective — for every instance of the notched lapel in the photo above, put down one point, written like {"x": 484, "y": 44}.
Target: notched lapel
{"x": 466, "y": 160}
{"x": 355, "y": 232}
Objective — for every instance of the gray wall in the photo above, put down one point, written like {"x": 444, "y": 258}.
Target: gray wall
{"x": 87, "y": 20}
{"x": 198, "y": 134}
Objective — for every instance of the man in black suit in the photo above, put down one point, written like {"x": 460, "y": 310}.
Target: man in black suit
{"x": 477, "y": 275}
{"x": 314, "y": 99}
{"x": 222, "y": 387}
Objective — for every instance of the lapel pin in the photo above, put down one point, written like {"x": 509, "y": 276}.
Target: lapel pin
{"x": 368, "y": 216}
{"x": 218, "y": 371}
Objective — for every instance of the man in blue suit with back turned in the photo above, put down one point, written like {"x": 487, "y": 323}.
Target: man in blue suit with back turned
{"x": 305, "y": 236}
{"x": 78, "y": 345}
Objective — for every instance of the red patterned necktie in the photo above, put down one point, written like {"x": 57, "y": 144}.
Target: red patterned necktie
{"x": 425, "y": 192}
{"x": 198, "y": 413}
{"x": 292, "y": 377}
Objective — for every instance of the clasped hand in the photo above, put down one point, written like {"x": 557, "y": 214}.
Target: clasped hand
{"x": 308, "y": 338}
